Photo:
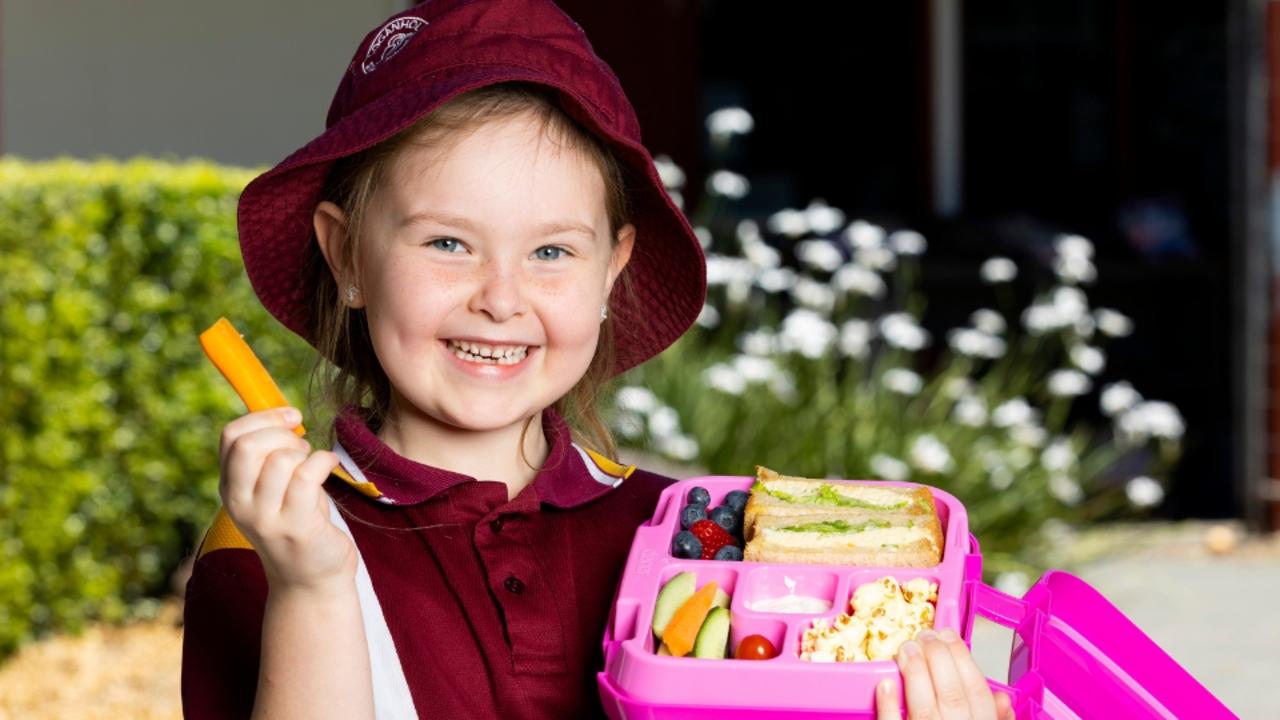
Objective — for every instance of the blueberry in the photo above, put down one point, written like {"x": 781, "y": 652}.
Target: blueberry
{"x": 737, "y": 500}
{"x": 686, "y": 546}
{"x": 699, "y": 496}
{"x": 691, "y": 514}
{"x": 729, "y": 552}
{"x": 725, "y": 517}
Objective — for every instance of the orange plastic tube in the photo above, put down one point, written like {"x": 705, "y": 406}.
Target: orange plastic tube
{"x": 235, "y": 360}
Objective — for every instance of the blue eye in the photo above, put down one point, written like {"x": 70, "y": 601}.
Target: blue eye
{"x": 449, "y": 245}
{"x": 549, "y": 252}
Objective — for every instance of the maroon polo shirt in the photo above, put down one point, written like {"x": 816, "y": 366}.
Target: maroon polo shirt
{"x": 496, "y": 608}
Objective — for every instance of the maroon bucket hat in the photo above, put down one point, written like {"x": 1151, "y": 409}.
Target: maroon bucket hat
{"x": 413, "y": 63}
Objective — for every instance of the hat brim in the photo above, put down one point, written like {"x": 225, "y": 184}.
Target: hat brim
{"x": 667, "y": 269}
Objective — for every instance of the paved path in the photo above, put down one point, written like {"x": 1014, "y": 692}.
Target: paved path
{"x": 1217, "y": 615}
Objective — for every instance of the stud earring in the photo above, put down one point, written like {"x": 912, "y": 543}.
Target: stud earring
{"x": 351, "y": 294}
{"x": 604, "y": 311}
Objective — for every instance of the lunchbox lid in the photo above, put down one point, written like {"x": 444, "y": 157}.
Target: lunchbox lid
{"x": 1075, "y": 655}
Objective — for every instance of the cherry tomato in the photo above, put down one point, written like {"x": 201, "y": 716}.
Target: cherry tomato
{"x": 755, "y": 647}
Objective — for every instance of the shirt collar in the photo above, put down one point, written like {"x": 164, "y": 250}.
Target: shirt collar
{"x": 571, "y": 476}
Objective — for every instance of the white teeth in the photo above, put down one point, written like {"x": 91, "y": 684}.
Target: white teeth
{"x": 499, "y": 354}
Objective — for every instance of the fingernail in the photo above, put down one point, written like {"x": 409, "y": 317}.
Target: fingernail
{"x": 888, "y": 687}
{"x": 292, "y": 415}
{"x": 910, "y": 648}
{"x": 948, "y": 635}
{"x": 926, "y": 635}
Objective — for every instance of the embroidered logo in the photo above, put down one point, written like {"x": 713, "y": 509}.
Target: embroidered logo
{"x": 390, "y": 40}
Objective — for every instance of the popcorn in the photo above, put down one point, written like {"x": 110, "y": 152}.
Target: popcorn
{"x": 883, "y": 615}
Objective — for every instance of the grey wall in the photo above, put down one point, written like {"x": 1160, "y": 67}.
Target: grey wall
{"x": 236, "y": 81}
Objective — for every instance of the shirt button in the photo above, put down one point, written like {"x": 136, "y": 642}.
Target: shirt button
{"x": 496, "y": 525}
{"x": 514, "y": 585}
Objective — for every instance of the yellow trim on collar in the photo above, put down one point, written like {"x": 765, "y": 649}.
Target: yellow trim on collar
{"x": 364, "y": 488}
{"x": 223, "y": 535}
{"x": 609, "y": 466}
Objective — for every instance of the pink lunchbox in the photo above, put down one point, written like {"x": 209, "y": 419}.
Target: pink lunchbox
{"x": 1074, "y": 654}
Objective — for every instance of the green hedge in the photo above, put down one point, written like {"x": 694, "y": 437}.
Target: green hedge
{"x": 110, "y": 411}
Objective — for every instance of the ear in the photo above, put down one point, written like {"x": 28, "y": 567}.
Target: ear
{"x": 331, "y": 233}
{"x": 621, "y": 255}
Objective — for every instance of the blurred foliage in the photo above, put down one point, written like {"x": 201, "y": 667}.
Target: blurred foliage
{"x": 111, "y": 413}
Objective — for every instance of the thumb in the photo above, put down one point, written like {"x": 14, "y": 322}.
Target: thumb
{"x": 1004, "y": 707}
{"x": 887, "y": 707}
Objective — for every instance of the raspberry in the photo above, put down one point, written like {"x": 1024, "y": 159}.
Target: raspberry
{"x": 712, "y": 536}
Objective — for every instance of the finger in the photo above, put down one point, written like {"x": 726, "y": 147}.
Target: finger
{"x": 976, "y": 689}
{"x": 916, "y": 682}
{"x": 287, "y": 417}
{"x": 302, "y": 498}
{"x": 1004, "y": 706}
{"x": 953, "y": 704}
{"x": 273, "y": 482}
{"x": 887, "y": 700}
{"x": 245, "y": 461}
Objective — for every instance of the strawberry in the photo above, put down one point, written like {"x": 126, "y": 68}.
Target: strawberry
{"x": 712, "y": 536}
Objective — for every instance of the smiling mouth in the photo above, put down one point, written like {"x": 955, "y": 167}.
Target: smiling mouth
{"x": 490, "y": 354}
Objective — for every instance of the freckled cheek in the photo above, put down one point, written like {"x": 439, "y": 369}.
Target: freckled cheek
{"x": 570, "y": 314}
{"x": 411, "y": 304}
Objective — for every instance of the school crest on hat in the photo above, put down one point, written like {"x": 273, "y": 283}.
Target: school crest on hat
{"x": 389, "y": 40}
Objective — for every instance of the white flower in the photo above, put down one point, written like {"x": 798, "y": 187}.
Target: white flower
{"x": 875, "y": 258}
{"x": 676, "y": 198}
{"x": 1118, "y": 397}
{"x": 709, "y": 317}
{"x": 748, "y": 231}
{"x": 1067, "y": 307}
{"x": 1000, "y": 477}
{"x": 1085, "y": 326}
{"x": 760, "y": 254}
{"x": 855, "y": 338}
{"x": 808, "y": 333}
{"x": 1065, "y": 489}
{"x": 664, "y": 422}
{"x": 728, "y": 184}
{"x": 637, "y": 399}
{"x": 1059, "y": 456}
{"x": 793, "y": 223}
{"x": 671, "y": 174}
{"x": 678, "y": 447}
{"x": 862, "y": 234}
{"x": 776, "y": 279}
{"x": 1028, "y": 435}
{"x": 823, "y": 218}
{"x": 725, "y": 379}
{"x": 1040, "y": 318}
{"x": 1073, "y": 246}
{"x": 975, "y": 343}
{"x": 628, "y": 424}
{"x": 858, "y": 279}
{"x": 907, "y": 242}
{"x": 1112, "y": 323}
{"x": 901, "y": 331}
{"x": 971, "y": 411}
{"x": 1088, "y": 358}
{"x": 819, "y": 254}
{"x": 754, "y": 369}
{"x": 1015, "y": 583}
{"x": 722, "y": 270}
{"x": 1074, "y": 269}
{"x": 1152, "y": 419}
{"x": 1144, "y": 492}
{"x": 1013, "y": 412}
{"x": 729, "y": 121}
{"x": 1070, "y": 303}
{"x": 704, "y": 236}
{"x": 889, "y": 468}
{"x": 957, "y": 387}
{"x": 930, "y": 455}
{"x": 998, "y": 270}
{"x": 783, "y": 386}
{"x": 988, "y": 321}
{"x": 761, "y": 343}
{"x": 1068, "y": 383}
{"x": 813, "y": 294}
{"x": 902, "y": 381}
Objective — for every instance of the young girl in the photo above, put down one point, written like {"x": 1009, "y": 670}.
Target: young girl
{"x": 475, "y": 244}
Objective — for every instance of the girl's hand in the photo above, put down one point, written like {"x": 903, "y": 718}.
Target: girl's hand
{"x": 942, "y": 683}
{"x": 270, "y": 484}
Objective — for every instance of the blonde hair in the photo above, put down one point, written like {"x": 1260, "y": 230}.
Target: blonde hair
{"x": 347, "y": 371}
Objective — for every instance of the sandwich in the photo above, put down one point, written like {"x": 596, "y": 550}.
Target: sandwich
{"x": 840, "y": 522}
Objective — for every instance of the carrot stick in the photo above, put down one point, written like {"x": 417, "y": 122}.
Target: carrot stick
{"x": 235, "y": 360}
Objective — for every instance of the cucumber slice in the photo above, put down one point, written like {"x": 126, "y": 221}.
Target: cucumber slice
{"x": 721, "y": 599}
{"x": 673, "y": 594}
{"x": 713, "y": 636}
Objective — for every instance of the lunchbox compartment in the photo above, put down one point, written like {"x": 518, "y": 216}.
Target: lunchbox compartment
{"x": 765, "y": 582}
{"x": 743, "y": 625}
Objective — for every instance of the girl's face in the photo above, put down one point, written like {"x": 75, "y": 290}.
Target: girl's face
{"x": 483, "y": 271}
